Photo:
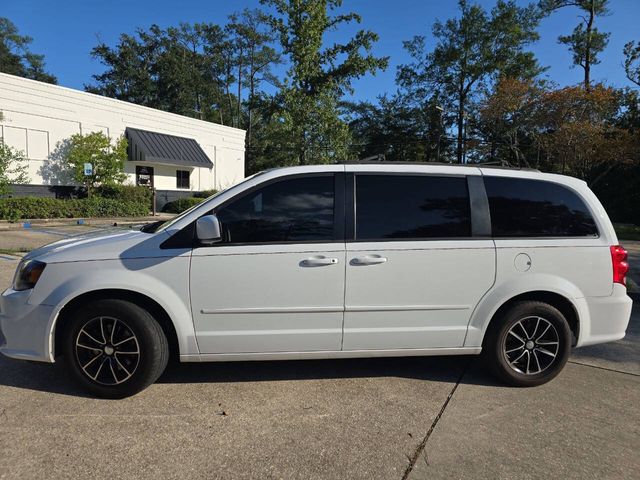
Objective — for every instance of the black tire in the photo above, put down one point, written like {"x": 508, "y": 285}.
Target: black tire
{"x": 531, "y": 364}
{"x": 120, "y": 371}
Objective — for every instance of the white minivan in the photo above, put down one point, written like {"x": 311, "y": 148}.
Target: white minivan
{"x": 332, "y": 261}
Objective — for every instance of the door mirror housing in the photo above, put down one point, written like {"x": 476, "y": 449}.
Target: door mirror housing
{"x": 208, "y": 229}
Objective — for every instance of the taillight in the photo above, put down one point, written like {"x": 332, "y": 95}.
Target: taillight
{"x": 620, "y": 265}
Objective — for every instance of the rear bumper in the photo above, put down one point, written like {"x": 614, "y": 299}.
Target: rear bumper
{"x": 608, "y": 318}
{"x": 23, "y": 327}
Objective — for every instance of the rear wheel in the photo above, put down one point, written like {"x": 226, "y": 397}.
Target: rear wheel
{"x": 114, "y": 348}
{"x": 529, "y": 345}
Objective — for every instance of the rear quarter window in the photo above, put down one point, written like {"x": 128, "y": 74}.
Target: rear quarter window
{"x": 523, "y": 207}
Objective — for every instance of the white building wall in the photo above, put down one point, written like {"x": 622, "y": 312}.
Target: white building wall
{"x": 38, "y": 118}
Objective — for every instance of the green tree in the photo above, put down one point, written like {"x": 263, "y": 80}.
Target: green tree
{"x": 177, "y": 70}
{"x": 570, "y": 130}
{"x": 632, "y": 61}
{"x": 251, "y": 38}
{"x": 471, "y": 51}
{"x": 13, "y": 167}
{"x": 400, "y": 130}
{"x": 199, "y": 70}
{"x": 509, "y": 119}
{"x": 309, "y": 122}
{"x": 15, "y": 56}
{"x": 580, "y": 135}
{"x": 202, "y": 70}
{"x": 189, "y": 70}
{"x": 586, "y": 41}
{"x": 106, "y": 158}
{"x": 131, "y": 73}
{"x": 630, "y": 118}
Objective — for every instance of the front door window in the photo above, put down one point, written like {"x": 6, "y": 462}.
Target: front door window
{"x": 288, "y": 211}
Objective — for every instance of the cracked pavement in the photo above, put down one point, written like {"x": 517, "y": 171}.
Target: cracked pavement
{"x": 381, "y": 418}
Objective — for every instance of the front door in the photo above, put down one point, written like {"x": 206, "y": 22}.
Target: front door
{"x": 414, "y": 272}
{"x": 275, "y": 283}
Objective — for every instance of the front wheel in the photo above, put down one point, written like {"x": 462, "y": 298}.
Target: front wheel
{"x": 114, "y": 348}
{"x": 530, "y": 344}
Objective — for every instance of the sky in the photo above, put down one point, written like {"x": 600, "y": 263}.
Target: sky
{"x": 66, "y": 30}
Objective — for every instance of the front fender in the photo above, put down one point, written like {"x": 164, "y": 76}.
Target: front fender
{"x": 514, "y": 286}
{"x": 166, "y": 281}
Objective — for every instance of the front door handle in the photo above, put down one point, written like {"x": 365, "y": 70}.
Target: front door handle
{"x": 318, "y": 262}
{"x": 368, "y": 260}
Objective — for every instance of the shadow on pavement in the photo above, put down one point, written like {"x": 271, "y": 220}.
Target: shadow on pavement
{"x": 37, "y": 376}
{"x": 622, "y": 355}
{"x": 54, "y": 378}
{"x": 434, "y": 369}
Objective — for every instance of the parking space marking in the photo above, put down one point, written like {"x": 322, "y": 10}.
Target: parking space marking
{"x": 51, "y": 232}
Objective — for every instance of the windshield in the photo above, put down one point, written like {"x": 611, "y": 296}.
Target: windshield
{"x": 168, "y": 223}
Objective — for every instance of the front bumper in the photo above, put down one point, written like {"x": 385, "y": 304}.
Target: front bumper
{"x": 24, "y": 328}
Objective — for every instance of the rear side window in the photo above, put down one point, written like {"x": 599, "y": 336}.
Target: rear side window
{"x": 533, "y": 208}
{"x": 411, "y": 207}
{"x": 292, "y": 210}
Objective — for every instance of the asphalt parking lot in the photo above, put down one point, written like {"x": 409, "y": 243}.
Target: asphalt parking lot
{"x": 395, "y": 418}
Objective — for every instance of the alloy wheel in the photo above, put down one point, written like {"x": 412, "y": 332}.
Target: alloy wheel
{"x": 107, "y": 350}
{"x": 531, "y": 345}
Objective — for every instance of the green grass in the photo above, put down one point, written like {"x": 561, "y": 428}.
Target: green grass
{"x": 627, "y": 231}
{"x": 15, "y": 253}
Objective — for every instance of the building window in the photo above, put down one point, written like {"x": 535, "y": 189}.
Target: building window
{"x": 182, "y": 179}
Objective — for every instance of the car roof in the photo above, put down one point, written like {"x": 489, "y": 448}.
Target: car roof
{"x": 424, "y": 167}
{"x": 441, "y": 164}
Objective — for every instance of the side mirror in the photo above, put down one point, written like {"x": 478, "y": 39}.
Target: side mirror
{"x": 208, "y": 229}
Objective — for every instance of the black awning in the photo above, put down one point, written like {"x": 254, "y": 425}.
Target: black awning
{"x": 145, "y": 146}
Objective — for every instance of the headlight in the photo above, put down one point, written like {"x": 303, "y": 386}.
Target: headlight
{"x": 27, "y": 274}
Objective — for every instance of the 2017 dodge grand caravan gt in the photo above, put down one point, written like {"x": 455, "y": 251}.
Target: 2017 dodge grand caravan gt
{"x": 333, "y": 261}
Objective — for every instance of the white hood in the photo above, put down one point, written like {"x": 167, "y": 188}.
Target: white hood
{"x": 109, "y": 245}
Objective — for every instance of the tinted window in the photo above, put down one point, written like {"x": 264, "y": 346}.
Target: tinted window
{"x": 534, "y": 208}
{"x": 416, "y": 206}
{"x": 293, "y": 210}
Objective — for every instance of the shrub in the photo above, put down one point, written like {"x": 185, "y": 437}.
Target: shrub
{"x": 181, "y": 204}
{"x": 129, "y": 193}
{"x": 13, "y": 167}
{"x": 205, "y": 193}
{"x": 105, "y": 207}
{"x": 34, "y": 207}
{"x": 107, "y": 159}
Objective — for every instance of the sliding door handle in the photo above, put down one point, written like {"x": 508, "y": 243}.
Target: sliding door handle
{"x": 318, "y": 262}
{"x": 368, "y": 260}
